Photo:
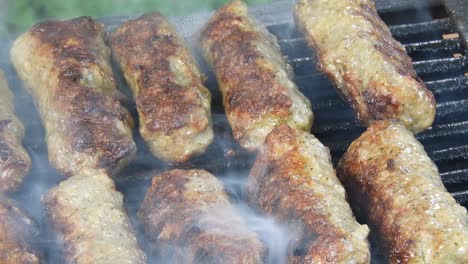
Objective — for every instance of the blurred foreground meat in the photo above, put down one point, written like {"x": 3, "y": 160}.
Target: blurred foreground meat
{"x": 89, "y": 215}
{"x": 294, "y": 181}
{"x": 14, "y": 160}
{"x": 66, "y": 66}
{"x": 189, "y": 219}
{"x": 256, "y": 82}
{"x": 370, "y": 69}
{"x": 173, "y": 105}
{"x": 17, "y": 235}
{"x": 398, "y": 188}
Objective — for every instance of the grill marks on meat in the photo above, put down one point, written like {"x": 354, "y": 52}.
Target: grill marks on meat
{"x": 294, "y": 181}
{"x": 67, "y": 68}
{"x": 256, "y": 82}
{"x": 15, "y": 162}
{"x": 189, "y": 219}
{"x": 173, "y": 104}
{"x": 17, "y": 232}
{"x": 370, "y": 69}
{"x": 88, "y": 213}
{"x": 390, "y": 177}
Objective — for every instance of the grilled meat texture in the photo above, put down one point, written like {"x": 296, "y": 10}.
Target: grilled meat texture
{"x": 15, "y": 162}
{"x": 294, "y": 181}
{"x": 88, "y": 214}
{"x": 369, "y": 68}
{"x": 189, "y": 219}
{"x": 66, "y": 66}
{"x": 398, "y": 188}
{"x": 173, "y": 105}
{"x": 255, "y": 80}
{"x": 17, "y": 234}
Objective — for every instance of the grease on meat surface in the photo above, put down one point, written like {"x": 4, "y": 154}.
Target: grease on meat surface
{"x": 15, "y": 162}
{"x": 370, "y": 69}
{"x": 255, "y": 80}
{"x": 173, "y": 105}
{"x": 17, "y": 235}
{"x": 88, "y": 213}
{"x": 66, "y": 66}
{"x": 294, "y": 181}
{"x": 398, "y": 188}
{"x": 189, "y": 219}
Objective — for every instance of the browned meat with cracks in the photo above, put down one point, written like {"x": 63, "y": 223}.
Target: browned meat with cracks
{"x": 189, "y": 219}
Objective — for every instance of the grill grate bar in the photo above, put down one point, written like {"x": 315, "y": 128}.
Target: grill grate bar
{"x": 438, "y": 66}
{"x": 455, "y": 177}
{"x": 460, "y": 152}
{"x": 434, "y": 48}
{"x": 448, "y": 85}
{"x": 444, "y": 130}
{"x": 461, "y": 196}
{"x": 421, "y": 31}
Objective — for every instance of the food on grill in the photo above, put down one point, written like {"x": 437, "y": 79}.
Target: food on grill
{"x": 173, "y": 105}
{"x": 256, "y": 82}
{"x": 67, "y": 68}
{"x": 17, "y": 234}
{"x": 370, "y": 69}
{"x": 88, "y": 213}
{"x": 188, "y": 218}
{"x": 14, "y": 160}
{"x": 294, "y": 181}
{"x": 392, "y": 180}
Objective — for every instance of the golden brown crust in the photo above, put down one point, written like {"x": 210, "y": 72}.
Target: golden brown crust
{"x": 294, "y": 181}
{"x": 188, "y": 218}
{"x": 17, "y": 234}
{"x": 166, "y": 82}
{"x": 67, "y": 67}
{"x": 395, "y": 185}
{"x": 253, "y": 77}
{"x": 15, "y": 162}
{"x": 370, "y": 69}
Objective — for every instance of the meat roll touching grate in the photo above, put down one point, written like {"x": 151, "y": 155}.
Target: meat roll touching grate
{"x": 397, "y": 187}
{"x": 255, "y": 80}
{"x": 370, "y": 69}
{"x": 173, "y": 105}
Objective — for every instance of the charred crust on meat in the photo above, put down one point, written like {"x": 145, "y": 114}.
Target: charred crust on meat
{"x": 254, "y": 91}
{"x": 380, "y": 106}
{"x": 146, "y": 45}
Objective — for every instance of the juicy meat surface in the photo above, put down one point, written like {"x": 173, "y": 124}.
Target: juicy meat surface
{"x": 397, "y": 187}
{"x": 294, "y": 181}
{"x": 15, "y": 162}
{"x": 369, "y": 68}
{"x": 17, "y": 235}
{"x": 66, "y": 66}
{"x": 255, "y": 80}
{"x": 88, "y": 214}
{"x": 189, "y": 219}
{"x": 173, "y": 105}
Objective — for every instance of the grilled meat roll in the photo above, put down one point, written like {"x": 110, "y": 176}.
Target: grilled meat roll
{"x": 369, "y": 68}
{"x": 14, "y": 160}
{"x": 390, "y": 177}
{"x": 173, "y": 105}
{"x": 294, "y": 181}
{"x": 88, "y": 213}
{"x": 189, "y": 219}
{"x": 255, "y": 80}
{"x": 67, "y": 67}
{"x": 17, "y": 235}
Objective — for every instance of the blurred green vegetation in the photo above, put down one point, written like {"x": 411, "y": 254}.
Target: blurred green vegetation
{"x": 18, "y": 15}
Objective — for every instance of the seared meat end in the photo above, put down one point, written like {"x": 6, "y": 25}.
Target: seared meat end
{"x": 17, "y": 235}
{"x": 15, "y": 162}
{"x": 88, "y": 214}
{"x": 66, "y": 66}
{"x": 173, "y": 105}
{"x": 294, "y": 181}
{"x": 255, "y": 80}
{"x": 189, "y": 219}
{"x": 369, "y": 68}
{"x": 398, "y": 189}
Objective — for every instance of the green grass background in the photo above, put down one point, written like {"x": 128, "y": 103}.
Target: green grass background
{"x": 18, "y": 15}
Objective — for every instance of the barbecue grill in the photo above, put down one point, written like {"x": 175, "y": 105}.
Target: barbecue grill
{"x": 434, "y": 34}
